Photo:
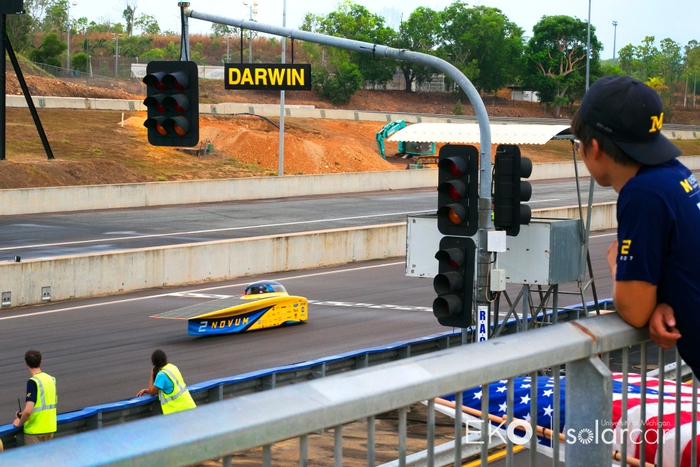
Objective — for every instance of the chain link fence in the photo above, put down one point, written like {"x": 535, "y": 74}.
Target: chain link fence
{"x": 125, "y": 81}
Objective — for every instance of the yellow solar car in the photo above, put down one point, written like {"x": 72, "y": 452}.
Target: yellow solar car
{"x": 264, "y": 304}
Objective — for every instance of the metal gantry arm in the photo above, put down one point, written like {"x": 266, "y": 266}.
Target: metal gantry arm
{"x": 382, "y": 51}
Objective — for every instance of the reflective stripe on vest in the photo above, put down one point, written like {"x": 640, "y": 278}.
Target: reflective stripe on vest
{"x": 42, "y": 420}
{"x": 179, "y": 399}
{"x": 176, "y": 382}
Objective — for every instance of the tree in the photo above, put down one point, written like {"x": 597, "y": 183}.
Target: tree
{"x": 50, "y": 50}
{"x": 356, "y": 22}
{"x": 557, "y": 59}
{"x": 147, "y": 24}
{"x": 129, "y": 15}
{"x": 55, "y": 16}
{"x": 339, "y": 79}
{"x": 418, "y": 34}
{"x": 483, "y": 44}
{"x": 222, "y": 30}
{"x": 79, "y": 61}
{"x": 670, "y": 61}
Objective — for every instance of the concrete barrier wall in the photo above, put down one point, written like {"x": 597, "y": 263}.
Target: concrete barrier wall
{"x": 117, "y": 272}
{"x": 127, "y": 271}
{"x": 129, "y": 195}
{"x": 603, "y": 215}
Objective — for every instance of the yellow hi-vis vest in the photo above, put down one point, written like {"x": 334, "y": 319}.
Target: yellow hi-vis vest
{"x": 178, "y": 400}
{"x": 43, "y": 418}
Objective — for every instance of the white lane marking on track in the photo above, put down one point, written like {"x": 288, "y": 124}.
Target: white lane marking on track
{"x": 196, "y": 232}
{"x": 301, "y": 276}
{"x": 541, "y": 201}
{"x": 370, "y": 305}
{"x": 315, "y": 302}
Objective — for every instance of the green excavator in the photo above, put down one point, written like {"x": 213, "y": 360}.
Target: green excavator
{"x": 407, "y": 148}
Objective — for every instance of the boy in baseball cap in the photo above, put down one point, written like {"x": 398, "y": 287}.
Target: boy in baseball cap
{"x": 655, "y": 257}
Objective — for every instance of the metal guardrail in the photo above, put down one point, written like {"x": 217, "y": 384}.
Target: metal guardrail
{"x": 116, "y": 413}
{"x": 236, "y": 425}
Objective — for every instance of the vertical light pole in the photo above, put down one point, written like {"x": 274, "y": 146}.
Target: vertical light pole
{"x": 695, "y": 83}
{"x": 614, "y": 39}
{"x": 116, "y": 54}
{"x": 588, "y": 49}
{"x": 228, "y": 50}
{"x": 68, "y": 32}
{"x": 252, "y": 11}
{"x": 280, "y": 162}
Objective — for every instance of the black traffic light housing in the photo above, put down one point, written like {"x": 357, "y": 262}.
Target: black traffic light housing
{"x": 454, "y": 282}
{"x": 458, "y": 175}
{"x": 172, "y": 99}
{"x": 509, "y": 191}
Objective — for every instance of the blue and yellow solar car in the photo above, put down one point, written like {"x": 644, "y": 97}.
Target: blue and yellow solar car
{"x": 263, "y": 305}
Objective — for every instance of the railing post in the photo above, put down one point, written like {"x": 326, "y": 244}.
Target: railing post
{"x": 588, "y": 413}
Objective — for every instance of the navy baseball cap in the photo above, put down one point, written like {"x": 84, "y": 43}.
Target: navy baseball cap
{"x": 629, "y": 113}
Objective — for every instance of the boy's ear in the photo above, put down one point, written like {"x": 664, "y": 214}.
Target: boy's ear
{"x": 595, "y": 150}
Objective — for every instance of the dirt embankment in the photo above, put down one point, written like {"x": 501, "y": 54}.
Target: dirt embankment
{"x": 94, "y": 147}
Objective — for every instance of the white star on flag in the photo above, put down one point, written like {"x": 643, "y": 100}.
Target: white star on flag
{"x": 501, "y": 389}
{"x": 503, "y": 407}
{"x": 525, "y": 400}
{"x": 547, "y": 393}
{"x": 548, "y": 411}
{"x": 477, "y": 395}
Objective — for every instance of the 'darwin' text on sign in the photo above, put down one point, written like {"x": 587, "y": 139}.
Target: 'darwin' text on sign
{"x": 273, "y": 77}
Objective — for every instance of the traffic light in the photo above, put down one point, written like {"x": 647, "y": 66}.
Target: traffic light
{"x": 509, "y": 191}
{"x": 454, "y": 282}
{"x": 172, "y": 99}
{"x": 458, "y": 174}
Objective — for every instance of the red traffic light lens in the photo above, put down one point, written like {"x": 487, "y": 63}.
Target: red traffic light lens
{"x": 455, "y": 189}
{"x": 156, "y": 80}
{"x": 179, "y": 103}
{"x": 156, "y": 102}
{"x": 456, "y": 166}
{"x": 177, "y": 80}
{"x": 453, "y": 256}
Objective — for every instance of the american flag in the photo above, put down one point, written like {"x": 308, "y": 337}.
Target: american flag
{"x": 522, "y": 410}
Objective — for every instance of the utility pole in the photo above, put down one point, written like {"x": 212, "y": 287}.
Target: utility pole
{"x": 252, "y": 12}
{"x": 280, "y": 162}
{"x": 614, "y": 23}
{"x": 588, "y": 49}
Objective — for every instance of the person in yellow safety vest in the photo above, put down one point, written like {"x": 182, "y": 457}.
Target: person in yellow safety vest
{"x": 167, "y": 382}
{"x": 39, "y": 415}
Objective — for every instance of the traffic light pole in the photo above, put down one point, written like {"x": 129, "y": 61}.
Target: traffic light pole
{"x": 382, "y": 51}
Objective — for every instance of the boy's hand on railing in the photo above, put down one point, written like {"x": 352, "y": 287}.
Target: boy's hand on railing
{"x": 662, "y": 326}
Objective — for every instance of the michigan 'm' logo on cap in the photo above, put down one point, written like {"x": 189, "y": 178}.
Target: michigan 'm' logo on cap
{"x": 656, "y": 123}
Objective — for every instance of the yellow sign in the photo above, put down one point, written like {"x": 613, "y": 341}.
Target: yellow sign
{"x": 273, "y": 77}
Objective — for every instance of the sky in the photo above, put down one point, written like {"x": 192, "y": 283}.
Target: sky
{"x": 674, "y": 19}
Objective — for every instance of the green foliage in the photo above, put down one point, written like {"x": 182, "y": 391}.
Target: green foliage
{"x": 222, "y": 30}
{"x": 418, "y": 34}
{"x": 607, "y": 69}
{"x": 483, "y": 43}
{"x": 457, "y": 109}
{"x": 356, "y": 22}
{"x": 147, "y": 24}
{"x": 79, "y": 61}
{"x": 129, "y": 15}
{"x": 153, "y": 54}
{"x": 339, "y": 79}
{"x": 557, "y": 59}
{"x": 50, "y": 50}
